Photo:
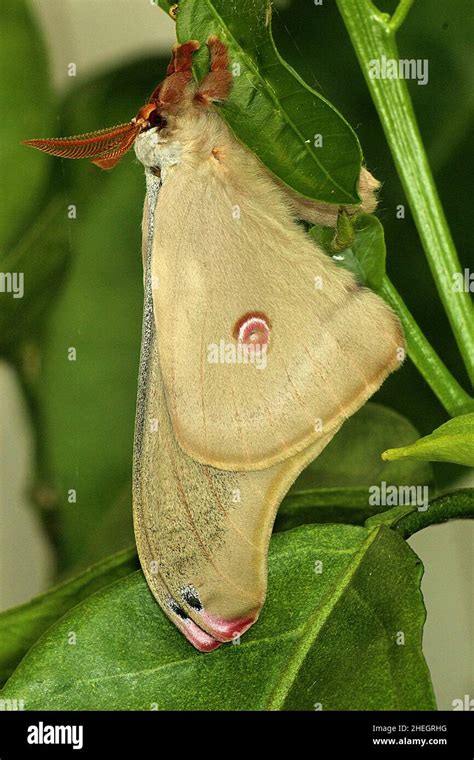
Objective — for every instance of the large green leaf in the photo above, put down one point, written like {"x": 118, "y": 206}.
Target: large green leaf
{"x": 27, "y": 107}
{"x": 21, "y": 626}
{"x": 452, "y": 442}
{"x": 336, "y": 486}
{"x": 322, "y": 637}
{"x": 295, "y": 132}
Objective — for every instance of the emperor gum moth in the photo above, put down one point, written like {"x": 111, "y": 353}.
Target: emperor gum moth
{"x": 247, "y": 370}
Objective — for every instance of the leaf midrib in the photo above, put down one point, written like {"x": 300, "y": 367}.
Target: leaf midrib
{"x": 293, "y": 633}
{"x": 314, "y": 626}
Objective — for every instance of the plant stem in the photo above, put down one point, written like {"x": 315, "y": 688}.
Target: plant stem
{"x": 458, "y": 505}
{"x": 447, "y": 389}
{"x": 373, "y": 36}
{"x": 400, "y": 14}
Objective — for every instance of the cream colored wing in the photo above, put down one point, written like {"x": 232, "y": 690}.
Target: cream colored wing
{"x": 227, "y": 247}
{"x": 221, "y": 433}
{"x": 202, "y": 533}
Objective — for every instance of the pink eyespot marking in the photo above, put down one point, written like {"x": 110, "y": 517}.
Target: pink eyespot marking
{"x": 253, "y": 328}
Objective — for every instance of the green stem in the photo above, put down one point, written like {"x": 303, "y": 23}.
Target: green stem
{"x": 400, "y": 14}
{"x": 447, "y": 389}
{"x": 373, "y": 36}
{"x": 458, "y": 505}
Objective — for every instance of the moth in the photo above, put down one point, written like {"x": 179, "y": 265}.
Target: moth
{"x": 248, "y": 368}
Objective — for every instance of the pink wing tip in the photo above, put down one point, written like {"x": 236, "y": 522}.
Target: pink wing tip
{"x": 227, "y": 630}
{"x": 200, "y": 640}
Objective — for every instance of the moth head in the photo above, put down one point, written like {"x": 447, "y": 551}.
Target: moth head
{"x": 150, "y": 117}
{"x": 106, "y": 147}
{"x": 155, "y": 146}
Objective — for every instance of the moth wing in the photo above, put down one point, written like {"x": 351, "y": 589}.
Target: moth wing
{"x": 218, "y": 444}
{"x": 202, "y": 533}
{"x": 223, "y": 251}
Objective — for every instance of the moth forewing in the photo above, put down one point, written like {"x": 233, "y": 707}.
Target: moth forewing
{"x": 330, "y": 345}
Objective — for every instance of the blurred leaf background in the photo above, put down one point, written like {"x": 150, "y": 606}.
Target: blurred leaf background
{"x": 75, "y": 233}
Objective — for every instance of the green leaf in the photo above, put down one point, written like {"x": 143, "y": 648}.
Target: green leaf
{"x": 164, "y": 5}
{"x": 321, "y": 505}
{"x": 344, "y": 231}
{"x": 41, "y": 256}
{"x": 21, "y": 626}
{"x": 369, "y": 249}
{"x": 336, "y": 486}
{"x": 365, "y": 258}
{"x": 408, "y": 520}
{"x": 352, "y": 457}
{"x": 452, "y": 442}
{"x": 321, "y": 638}
{"x": 270, "y": 108}
{"x": 114, "y": 529}
{"x": 26, "y": 105}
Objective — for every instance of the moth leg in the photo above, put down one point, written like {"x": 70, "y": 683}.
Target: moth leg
{"x": 325, "y": 213}
{"x": 179, "y": 73}
{"x": 172, "y": 64}
{"x": 183, "y": 55}
{"x": 215, "y": 85}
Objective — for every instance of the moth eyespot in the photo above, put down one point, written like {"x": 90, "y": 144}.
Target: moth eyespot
{"x": 253, "y": 328}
